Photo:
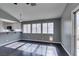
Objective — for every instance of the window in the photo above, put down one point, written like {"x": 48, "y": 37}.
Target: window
{"x": 26, "y": 28}
{"x": 33, "y": 28}
{"x": 36, "y": 28}
{"x": 29, "y": 28}
{"x": 39, "y": 28}
{"x": 47, "y": 28}
{"x": 44, "y": 27}
{"x": 50, "y": 28}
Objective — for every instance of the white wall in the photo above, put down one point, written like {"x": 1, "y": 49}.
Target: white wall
{"x": 1, "y": 26}
{"x": 66, "y": 29}
{"x": 15, "y": 26}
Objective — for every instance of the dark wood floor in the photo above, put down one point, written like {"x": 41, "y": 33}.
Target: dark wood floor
{"x": 32, "y": 48}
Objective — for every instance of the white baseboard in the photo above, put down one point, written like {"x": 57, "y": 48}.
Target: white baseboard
{"x": 65, "y": 49}
{"x": 42, "y": 41}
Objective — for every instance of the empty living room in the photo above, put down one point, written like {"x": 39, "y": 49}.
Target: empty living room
{"x": 39, "y": 29}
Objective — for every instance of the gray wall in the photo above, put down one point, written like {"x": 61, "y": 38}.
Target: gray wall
{"x": 66, "y": 29}
{"x": 6, "y": 38}
{"x": 45, "y": 37}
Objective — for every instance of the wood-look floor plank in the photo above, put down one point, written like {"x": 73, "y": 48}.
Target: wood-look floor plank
{"x": 31, "y": 49}
{"x": 51, "y": 51}
{"x": 14, "y": 45}
{"x": 24, "y": 47}
{"x": 41, "y": 50}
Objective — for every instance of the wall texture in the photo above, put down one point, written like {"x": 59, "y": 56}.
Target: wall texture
{"x": 66, "y": 28}
{"x": 45, "y": 37}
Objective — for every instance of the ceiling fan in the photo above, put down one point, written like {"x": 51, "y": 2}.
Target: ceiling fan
{"x": 31, "y": 4}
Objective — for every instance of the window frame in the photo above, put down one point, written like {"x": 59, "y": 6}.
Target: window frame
{"x": 27, "y": 28}
{"x": 47, "y": 28}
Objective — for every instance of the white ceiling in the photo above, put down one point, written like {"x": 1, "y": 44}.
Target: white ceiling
{"x": 40, "y": 11}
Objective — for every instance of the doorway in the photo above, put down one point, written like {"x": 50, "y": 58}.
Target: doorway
{"x": 77, "y": 33}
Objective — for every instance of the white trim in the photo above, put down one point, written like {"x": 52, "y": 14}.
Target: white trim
{"x": 76, "y": 9}
{"x": 73, "y": 36}
{"x": 42, "y": 41}
{"x": 65, "y": 49}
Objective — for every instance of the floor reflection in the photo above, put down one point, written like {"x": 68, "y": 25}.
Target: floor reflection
{"x": 31, "y": 49}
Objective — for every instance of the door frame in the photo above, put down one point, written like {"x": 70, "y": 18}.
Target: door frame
{"x": 73, "y": 41}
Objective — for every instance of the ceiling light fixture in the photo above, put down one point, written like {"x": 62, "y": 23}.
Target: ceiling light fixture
{"x": 20, "y": 16}
{"x": 15, "y": 3}
{"x": 31, "y": 4}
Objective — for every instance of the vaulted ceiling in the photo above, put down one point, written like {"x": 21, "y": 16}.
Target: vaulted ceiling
{"x": 24, "y": 12}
